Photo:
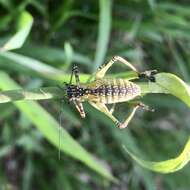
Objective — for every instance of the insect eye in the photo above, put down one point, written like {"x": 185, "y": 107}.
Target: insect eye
{"x": 152, "y": 79}
{"x": 66, "y": 84}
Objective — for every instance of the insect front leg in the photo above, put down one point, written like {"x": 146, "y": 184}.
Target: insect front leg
{"x": 75, "y": 71}
{"x": 102, "y": 107}
{"x": 80, "y": 108}
{"x": 101, "y": 72}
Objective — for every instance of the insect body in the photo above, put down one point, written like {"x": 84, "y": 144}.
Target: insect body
{"x": 104, "y": 91}
{"x": 109, "y": 91}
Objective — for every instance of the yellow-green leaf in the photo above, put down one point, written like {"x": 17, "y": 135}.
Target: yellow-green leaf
{"x": 168, "y": 83}
{"x": 166, "y": 166}
{"x": 24, "y": 26}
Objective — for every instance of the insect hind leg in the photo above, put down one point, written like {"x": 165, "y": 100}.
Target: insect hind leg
{"x": 102, "y": 71}
{"x": 102, "y": 107}
{"x": 129, "y": 118}
{"x": 145, "y": 107}
{"x": 112, "y": 109}
{"x": 132, "y": 113}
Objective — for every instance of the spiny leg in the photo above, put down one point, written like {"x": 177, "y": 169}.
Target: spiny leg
{"x": 112, "y": 108}
{"x": 72, "y": 75}
{"x": 132, "y": 113}
{"x": 147, "y": 74}
{"x": 102, "y": 107}
{"x": 75, "y": 71}
{"x": 145, "y": 107}
{"x": 80, "y": 108}
{"x": 129, "y": 117}
{"x": 100, "y": 73}
{"x": 133, "y": 103}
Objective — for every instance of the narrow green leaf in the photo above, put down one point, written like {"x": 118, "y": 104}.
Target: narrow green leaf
{"x": 18, "y": 39}
{"x": 179, "y": 61}
{"x": 51, "y": 54}
{"x": 14, "y": 60}
{"x": 50, "y": 129}
{"x": 27, "y": 65}
{"x": 62, "y": 14}
{"x": 173, "y": 85}
{"x": 152, "y": 4}
{"x": 68, "y": 55}
{"x": 104, "y": 32}
{"x": 7, "y": 4}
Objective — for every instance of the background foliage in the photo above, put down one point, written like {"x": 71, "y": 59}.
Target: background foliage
{"x": 151, "y": 34}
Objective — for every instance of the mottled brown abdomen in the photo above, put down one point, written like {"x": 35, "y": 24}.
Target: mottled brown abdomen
{"x": 110, "y": 91}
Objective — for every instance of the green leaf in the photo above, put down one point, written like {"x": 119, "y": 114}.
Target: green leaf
{"x": 68, "y": 55}
{"x": 62, "y": 14}
{"x": 25, "y": 64}
{"x": 13, "y": 60}
{"x": 168, "y": 83}
{"x": 152, "y": 4}
{"x": 51, "y": 54}
{"x": 51, "y": 130}
{"x": 7, "y": 4}
{"x": 24, "y": 26}
{"x": 104, "y": 32}
{"x": 165, "y": 83}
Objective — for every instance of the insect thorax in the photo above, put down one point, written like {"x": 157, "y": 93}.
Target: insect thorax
{"x": 74, "y": 92}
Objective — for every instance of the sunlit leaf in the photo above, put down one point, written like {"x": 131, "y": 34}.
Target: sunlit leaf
{"x": 166, "y": 166}
{"x": 18, "y": 39}
{"x": 173, "y": 85}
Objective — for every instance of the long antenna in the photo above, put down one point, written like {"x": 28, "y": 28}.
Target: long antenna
{"x": 59, "y": 129}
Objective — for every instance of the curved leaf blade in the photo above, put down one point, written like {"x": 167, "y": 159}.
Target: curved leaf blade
{"x": 167, "y": 166}
{"x": 18, "y": 39}
{"x": 168, "y": 83}
{"x": 175, "y": 86}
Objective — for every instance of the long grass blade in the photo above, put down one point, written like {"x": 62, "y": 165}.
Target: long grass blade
{"x": 103, "y": 32}
{"x": 49, "y": 127}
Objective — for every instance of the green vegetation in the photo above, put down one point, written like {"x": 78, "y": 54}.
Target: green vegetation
{"x": 40, "y": 41}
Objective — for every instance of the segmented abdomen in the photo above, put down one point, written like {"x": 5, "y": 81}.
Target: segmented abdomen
{"x": 115, "y": 90}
